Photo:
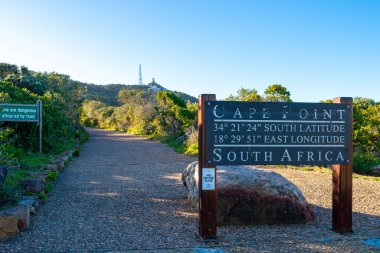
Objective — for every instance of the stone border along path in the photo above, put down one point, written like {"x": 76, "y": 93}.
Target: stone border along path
{"x": 16, "y": 219}
{"x": 125, "y": 194}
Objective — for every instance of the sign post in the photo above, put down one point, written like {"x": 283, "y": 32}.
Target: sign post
{"x": 39, "y": 106}
{"x": 342, "y": 184}
{"x": 207, "y": 176}
{"x": 24, "y": 113}
{"x": 272, "y": 133}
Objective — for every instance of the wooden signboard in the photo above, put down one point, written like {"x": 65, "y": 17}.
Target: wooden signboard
{"x": 263, "y": 133}
{"x": 241, "y": 133}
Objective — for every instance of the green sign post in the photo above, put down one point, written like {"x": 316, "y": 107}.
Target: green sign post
{"x": 23, "y": 113}
{"x": 15, "y": 112}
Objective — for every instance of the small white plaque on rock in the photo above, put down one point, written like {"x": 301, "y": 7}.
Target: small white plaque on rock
{"x": 208, "y": 179}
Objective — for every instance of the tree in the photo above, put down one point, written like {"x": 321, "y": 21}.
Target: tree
{"x": 366, "y": 125}
{"x": 172, "y": 114}
{"x": 7, "y": 69}
{"x": 366, "y": 134}
{"x": 122, "y": 115}
{"x": 245, "y": 95}
{"x": 135, "y": 96}
{"x": 277, "y": 93}
{"x": 105, "y": 116}
{"x": 89, "y": 112}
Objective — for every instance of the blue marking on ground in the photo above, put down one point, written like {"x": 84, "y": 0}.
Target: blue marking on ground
{"x": 374, "y": 242}
{"x": 327, "y": 239}
{"x": 209, "y": 250}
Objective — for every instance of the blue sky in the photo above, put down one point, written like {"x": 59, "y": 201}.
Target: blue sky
{"x": 317, "y": 49}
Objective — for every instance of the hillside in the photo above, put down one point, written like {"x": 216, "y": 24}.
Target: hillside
{"x": 108, "y": 93}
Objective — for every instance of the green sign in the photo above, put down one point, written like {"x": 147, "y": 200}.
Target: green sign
{"x": 19, "y": 112}
{"x": 24, "y": 113}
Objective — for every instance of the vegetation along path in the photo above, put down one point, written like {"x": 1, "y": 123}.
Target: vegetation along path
{"x": 124, "y": 194}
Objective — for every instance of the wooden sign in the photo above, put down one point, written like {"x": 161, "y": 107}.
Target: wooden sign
{"x": 247, "y": 133}
{"x": 250, "y": 133}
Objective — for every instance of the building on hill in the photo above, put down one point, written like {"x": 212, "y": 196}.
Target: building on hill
{"x": 155, "y": 86}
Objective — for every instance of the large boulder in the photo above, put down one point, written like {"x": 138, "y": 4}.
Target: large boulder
{"x": 190, "y": 181}
{"x": 22, "y": 213}
{"x": 30, "y": 201}
{"x": 8, "y": 226}
{"x": 248, "y": 195}
{"x": 35, "y": 185}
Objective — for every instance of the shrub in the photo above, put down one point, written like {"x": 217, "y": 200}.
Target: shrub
{"x": 191, "y": 142}
{"x": 173, "y": 116}
{"x": 52, "y": 176}
{"x": 76, "y": 153}
{"x": 14, "y": 177}
{"x": 48, "y": 187}
{"x": 363, "y": 162}
{"x": 9, "y": 154}
{"x": 42, "y": 197}
{"x": 7, "y": 195}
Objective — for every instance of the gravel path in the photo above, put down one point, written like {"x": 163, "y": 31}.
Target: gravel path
{"x": 124, "y": 194}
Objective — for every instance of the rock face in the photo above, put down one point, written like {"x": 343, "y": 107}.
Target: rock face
{"x": 247, "y": 195}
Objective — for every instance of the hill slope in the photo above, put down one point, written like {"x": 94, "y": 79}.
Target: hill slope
{"x": 108, "y": 93}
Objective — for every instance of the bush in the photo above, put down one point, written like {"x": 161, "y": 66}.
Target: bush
{"x": 363, "y": 162}
{"x": 52, "y": 176}
{"x": 14, "y": 177}
{"x": 7, "y": 195}
{"x": 48, "y": 187}
{"x": 42, "y": 197}
{"x": 56, "y": 120}
{"x": 76, "y": 153}
{"x": 9, "y": 155}
{"x": 173, "y": 116}
{"x": 366, "y": 132}
{"x": 191, "y": 142}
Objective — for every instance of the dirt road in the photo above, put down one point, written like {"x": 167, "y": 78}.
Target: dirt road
{"x": 124, "y": 194}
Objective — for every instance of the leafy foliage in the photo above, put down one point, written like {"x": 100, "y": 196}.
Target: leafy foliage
{"x": 61, "y": 99}
{"x": 9, "y": 154}
{"x": 109, "y": 94}
{"x": 7, "y": 195}
{"x": 277, "y": 93}
{"x": 14, "y": 177}
{"x": 363, "y": 162}
{"x": 7, "y": 70}
{"x": 273, "y": 93}
{"x": 142, "y": 112}
{"x": 366, "y": 125}
{"x": 52, "y": 176}
{"x": 245, "y": 94}
{"x": 173, "y": 117}
{"x": 76, "y": 153}
{"x": 366, "y": 134}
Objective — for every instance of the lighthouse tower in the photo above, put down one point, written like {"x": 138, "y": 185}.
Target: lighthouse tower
{"x": 140, "y": 76}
